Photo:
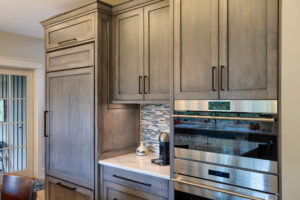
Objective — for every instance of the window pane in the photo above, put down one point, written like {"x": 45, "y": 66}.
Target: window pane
{"x": 18, "y": 86}
{"x": 18, "y": 135}
{"x": 3, "y": 86}
{"x": 18, "y": 110}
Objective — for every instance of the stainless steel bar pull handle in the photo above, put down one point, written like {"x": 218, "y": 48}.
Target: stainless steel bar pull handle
{"x": 140, "y": 79}
{"x": 66, "y": 186}
{"x": 222, "y": 78}
{"x": 146, "y": 85}
{"x": 257, "y": 119}
{"x": 45, "y": 124}
{"x": 70, "y": 41}
{"x": 131, "y": 180}
{"x": 217, "y": 189}
{"x": 214, "y": 78}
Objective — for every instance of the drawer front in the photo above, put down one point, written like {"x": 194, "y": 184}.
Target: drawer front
{"x": 73, "y": 31}
{"x": 75, "y": 57}
{"x": 150, "y": 184}
{"x": 114, "y": 191}
{"x": 60, "y": 190}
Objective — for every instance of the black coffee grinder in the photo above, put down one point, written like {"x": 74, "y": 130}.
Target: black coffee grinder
{"x": 164, "y": 152}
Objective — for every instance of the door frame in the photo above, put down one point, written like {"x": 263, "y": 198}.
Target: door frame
{"x": 37, "y": 69}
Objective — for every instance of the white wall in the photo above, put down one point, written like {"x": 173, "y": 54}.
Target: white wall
{"x": 22, "y": 52}
{"x": 290, "y": 105}
{"x": 19, "y": 46}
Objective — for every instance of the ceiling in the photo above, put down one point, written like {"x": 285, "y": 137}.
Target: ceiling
{"x": 24, "y": 16}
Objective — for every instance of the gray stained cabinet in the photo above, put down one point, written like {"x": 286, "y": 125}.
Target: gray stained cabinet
{"x": 225, "y": 49}
{"x": 70, "y": 32}
{"x": 61, "y": 190}
{"x": 129, "y": 55}
{"x": 123, "y": 184}
{"x": 142, "y": 53}
{"x": 82, "y": 125}
{"x": 70, "y": 146}
{"x": 113, "y": 191}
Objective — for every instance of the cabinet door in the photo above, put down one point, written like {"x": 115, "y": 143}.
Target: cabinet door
{"x": 248, "y": 49}
{"x": 114, "y": 191}
{"x": 195, "y": 49}
{"x": 128, "y": 30}
{"x": 70, "y": 141}
{"x": 60, "y": 190}
{"x": 157, "y": 51}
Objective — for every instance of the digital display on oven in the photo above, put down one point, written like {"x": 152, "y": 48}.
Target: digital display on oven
{"x": 217, "y": 105}
{"x": 218, "y": 173}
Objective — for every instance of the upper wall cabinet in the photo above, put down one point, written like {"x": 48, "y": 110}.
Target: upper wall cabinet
{"x": 129, "y": 55}
{"x": 195, "y": 49}
{"x": 73, "y": 31}
{"x": 225, "y": 49}
{"x": 156, "y": 51}
{"x": 141, "y": 53}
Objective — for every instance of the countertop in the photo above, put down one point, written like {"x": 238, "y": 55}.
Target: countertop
{"x": 139, "y": 164}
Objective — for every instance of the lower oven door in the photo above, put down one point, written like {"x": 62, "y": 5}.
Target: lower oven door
{"x": 188, "y": 188}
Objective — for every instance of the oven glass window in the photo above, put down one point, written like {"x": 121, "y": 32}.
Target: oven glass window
{"x": 185, "y": 196}
{"x": 233, "y": 137}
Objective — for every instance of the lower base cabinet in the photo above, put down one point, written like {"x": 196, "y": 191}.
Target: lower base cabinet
{"x": 121, "y": 184}
{"x": 61, "y": 190}
{"x": 114, "y": 191}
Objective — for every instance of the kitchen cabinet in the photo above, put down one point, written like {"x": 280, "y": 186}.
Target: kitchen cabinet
{"x": 61, "y": 190}
{"x": 129, "y": 55}
{"x": 73, "y": 31}
{"x": 225, "y": 49}
{"x": 70, "y": 146}
{"x": 114, "y": 191}
{"x": 142, "y": 54}
{"x": 82, "y": 125}
{"x": 124, "y": 184}
{"x": 195, "y": 49}
{"x": 71, "y": 58}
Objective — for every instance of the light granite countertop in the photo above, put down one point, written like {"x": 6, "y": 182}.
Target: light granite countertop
{"x": 139, "y": 164}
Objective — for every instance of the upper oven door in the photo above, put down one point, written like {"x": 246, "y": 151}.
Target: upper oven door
{"x": 244, "y": 140}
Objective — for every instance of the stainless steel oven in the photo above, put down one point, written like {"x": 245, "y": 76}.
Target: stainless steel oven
{"x": 226, "y": 150}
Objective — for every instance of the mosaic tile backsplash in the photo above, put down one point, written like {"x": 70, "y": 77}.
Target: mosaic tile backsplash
{"x": 154, "y": 120}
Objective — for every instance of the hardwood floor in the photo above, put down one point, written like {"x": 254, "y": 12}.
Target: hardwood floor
{"x": 40, "y": 195}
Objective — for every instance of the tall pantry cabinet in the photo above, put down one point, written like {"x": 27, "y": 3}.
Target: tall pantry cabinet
{"x": 79, "y": 114}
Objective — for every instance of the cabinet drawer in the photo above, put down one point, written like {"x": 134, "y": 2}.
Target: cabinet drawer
{"x": 73, "y": 31}
{"x": 150, "y": 184}
{"x": 76, "y": 57}
{"x": 114, "y": 191}
{"x": 60, "y": 190}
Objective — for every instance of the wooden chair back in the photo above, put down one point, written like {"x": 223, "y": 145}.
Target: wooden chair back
{"x": 17, "y": 188}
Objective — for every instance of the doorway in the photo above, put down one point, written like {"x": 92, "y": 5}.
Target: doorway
{"x": 16, "y": 122}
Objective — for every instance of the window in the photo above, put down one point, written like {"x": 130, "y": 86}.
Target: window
{"x": 15, "y": 122}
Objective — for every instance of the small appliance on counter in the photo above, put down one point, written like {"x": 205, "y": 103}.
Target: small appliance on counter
{"x": 164, "y": 153}
{"x": 141, "y": 150}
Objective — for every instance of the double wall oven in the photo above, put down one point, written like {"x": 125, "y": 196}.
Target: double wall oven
{"x": 225, "y": 150}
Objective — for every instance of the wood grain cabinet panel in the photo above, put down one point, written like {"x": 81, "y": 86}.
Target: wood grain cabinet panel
{"x": 61, "y": 190}
{"x": 114, "y": 191}
{"x": 150, "y": 184}
{"x": 70, "y": 141}
{"x": 156, "y": 51}
{"x": 195, "y": 49}
{"x": 75, "y": 57}
{"x": 226, "y": 49}
{"x": 142, "y": 54}
{"x": 71, "y": 32}
{"x": 248, "y": 49}
{"x": 128, "y": 29}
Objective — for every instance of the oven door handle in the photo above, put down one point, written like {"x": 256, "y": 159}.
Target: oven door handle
{"x": 217, "y": 190}
{"x": 256, "y": 119}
